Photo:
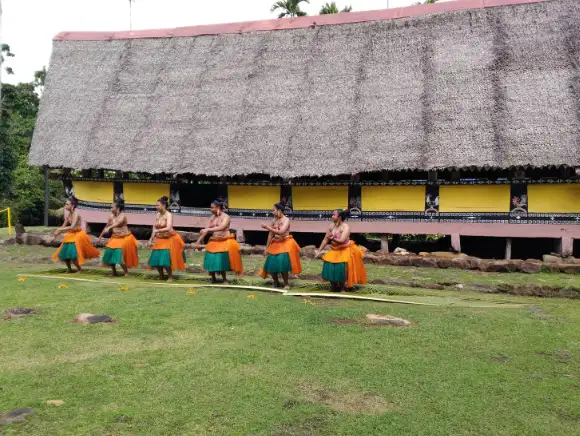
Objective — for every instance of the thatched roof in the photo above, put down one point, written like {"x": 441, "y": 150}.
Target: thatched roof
{"x": 440, "y": 86}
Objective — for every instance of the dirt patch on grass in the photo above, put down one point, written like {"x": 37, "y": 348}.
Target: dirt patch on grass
{"x": 346, "y": 401}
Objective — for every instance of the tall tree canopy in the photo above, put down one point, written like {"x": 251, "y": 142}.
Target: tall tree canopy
{"x": 331, "y": 8}
{"x": 22, "y": 186}
{"x": 289, "y": 8}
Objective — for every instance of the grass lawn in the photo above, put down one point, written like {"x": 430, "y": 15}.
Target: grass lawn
{"x": 218, "y": 362}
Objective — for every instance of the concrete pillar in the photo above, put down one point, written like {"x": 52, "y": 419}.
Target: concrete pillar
{"x": 240, "y": 236}
{"x": 566, "y": 246}
{"x": 508, "y": 248}
{"x": 385, "y": 243}
{"x": 456, "y": 242}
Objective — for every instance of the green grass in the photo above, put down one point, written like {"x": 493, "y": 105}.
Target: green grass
{"x": 219, "y": 363}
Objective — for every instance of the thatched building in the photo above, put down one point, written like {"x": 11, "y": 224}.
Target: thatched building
{"x": 458, "y": 118}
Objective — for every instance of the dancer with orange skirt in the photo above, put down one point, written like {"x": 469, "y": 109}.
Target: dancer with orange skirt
{"x": 343, "y": 265}
{"x": 168, "y": 253}
{"x": 282, "y": 252}
{"x": 222, "y": 252}
{"x": 122, "y": 246}
{"x": 76, "y": 246}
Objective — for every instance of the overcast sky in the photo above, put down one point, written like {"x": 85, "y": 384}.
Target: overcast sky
{"x": 30, "y": 25}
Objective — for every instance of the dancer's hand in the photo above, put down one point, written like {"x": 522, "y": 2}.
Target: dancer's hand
{"x": 265, "y": 226}
{"x": 56, "y": 233}
{"x": 317, "y": 255}
{"x": 266, "y": 252}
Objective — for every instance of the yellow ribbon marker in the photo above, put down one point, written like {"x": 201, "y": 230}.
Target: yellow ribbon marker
{"x": 123, "y": 288}
{"x": 62, "y": 286}
{"x": 251, "y": 296}
{"x": 21, "y": 279}
{"x": 191, "y": 291}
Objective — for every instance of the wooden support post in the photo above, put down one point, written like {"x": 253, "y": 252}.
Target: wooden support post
{"x": 508, "y": 248}
{"x": 45, "y": 196}
{"x": 566, "y": 246}
{"x": 385, "y": 243}
{"x": 456, "y": 242}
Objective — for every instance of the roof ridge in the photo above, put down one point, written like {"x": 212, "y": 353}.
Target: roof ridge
{"x": 293, "y": 23}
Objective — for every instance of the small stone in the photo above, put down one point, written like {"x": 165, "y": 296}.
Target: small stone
{"x": 89, "y": 318}
{"x": 17, "y": 416}
{"x": 388, "y": 319}
{"x": 459, "y": 286}
{"x": 56, "y": 403}
{"x": 401, "y": 252}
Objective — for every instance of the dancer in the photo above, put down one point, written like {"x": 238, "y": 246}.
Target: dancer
{"x": 222, "y": 252}
{"x": 122, "y": 246}
{"x": 343, "y": 266}
{"x": 76, "y": 246}
{"x": 168, "y": 249}
{"x": 282, "y": 252}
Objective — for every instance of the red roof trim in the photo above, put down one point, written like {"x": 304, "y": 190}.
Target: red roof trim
{"x": 293, "y": 23}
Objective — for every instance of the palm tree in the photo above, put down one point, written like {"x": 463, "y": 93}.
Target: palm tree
{"x": 331, "y": 8}
{"x": 289, "y": 8}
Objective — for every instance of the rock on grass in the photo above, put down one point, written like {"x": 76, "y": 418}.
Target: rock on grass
{"x": 18, "y": 312}
{"x": 17, "y": 416}
{"x": 388, "y": 320}
{"x": 89, "y": 318}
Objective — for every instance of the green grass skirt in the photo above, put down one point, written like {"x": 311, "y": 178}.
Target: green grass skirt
{"x": 68, "y": 252}
{"x": 277, "y": 263}
{"x": 160, "y": 259}
{"x": 216, "y": 262}
{"x": 113, "y": 256}
{"x": 334, "y": 272}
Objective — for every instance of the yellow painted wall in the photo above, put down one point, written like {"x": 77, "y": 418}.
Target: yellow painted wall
{"x": 319, "y": 197}
{"x": 144, "y": 193}
{"x": 97, "y": 192}
{"x": 393, "y": 198}
{"x": 253, "y": 197}
{"x": 474, "y": 198}
{"x": 554, "y": 198}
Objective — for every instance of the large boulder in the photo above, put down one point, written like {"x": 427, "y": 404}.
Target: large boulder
{"x": 570, "y": 268}
{"x": 549, "y": 258}
{"x": 495, "y": 266}
{"x": 531, "y": 266}
{"x": 448, "y": 254}
{"x": 444, "y": 262}
{"x": 188, "y": 237}
{"x": 464, "y": 262}
{"x": 372, "y": 258}
{"x": 399, "y": 260}
{"x": 423, "y": 262}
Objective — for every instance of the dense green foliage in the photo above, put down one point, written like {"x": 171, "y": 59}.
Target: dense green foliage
{"x": 22, "y": 186}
